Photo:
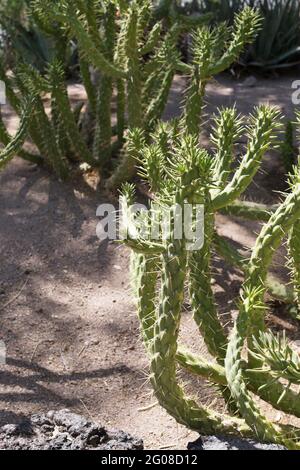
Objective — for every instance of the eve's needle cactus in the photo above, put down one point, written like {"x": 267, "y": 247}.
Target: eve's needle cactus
{"x": 180, "y": 172}
{"x": 120, "y": 46}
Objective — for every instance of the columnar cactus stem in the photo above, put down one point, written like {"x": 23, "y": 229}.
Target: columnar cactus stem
{"x": 194, "y": 103}
{"x": 144, "y": 274}
{"x": 87, "y": 81}
{"x": 227, "y": 129}
{"x": 134, "y": 85}
{"x": 250, "y": 210}
{"x": 202, "y": 298}
{"x": 294, "y": 251}
{"x": 121, "y": 109}
{"x": 163, "y": 368}
{"x": 60, "y": 95}
{"x": 13, "y": 147}
{"x": 261, "y": 135}
{"x": 103, "y": 130}
{"x": 251, "y": 317}
{"x": 277, "y": 290}
{"x": 178, "y": 170}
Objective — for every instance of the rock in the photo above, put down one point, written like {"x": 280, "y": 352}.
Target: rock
{"x": 229, "y": 443}
{"x": 64, "y": 430}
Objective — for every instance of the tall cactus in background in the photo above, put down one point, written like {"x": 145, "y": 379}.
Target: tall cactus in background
{"x": 113, "y": 38}
{"x": 130, "y": 51}
{"x": 180, "y": 172}
{"x": 133, "y": 54}
{"x": 122, "y": 45}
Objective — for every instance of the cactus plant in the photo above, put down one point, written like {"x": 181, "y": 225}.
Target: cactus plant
{"x": 180, "y": 172}
{"x": 135, "y": 55}
{"x": 120, "y": 44}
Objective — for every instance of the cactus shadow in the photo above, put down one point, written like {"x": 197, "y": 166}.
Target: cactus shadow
{"x": 35, "y": 392}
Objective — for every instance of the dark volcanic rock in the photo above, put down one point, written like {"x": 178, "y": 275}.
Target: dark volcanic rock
{"x": 63, "y": 430}
{"x": 229, "y": 443}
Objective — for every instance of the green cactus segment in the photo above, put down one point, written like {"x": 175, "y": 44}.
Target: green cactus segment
{"x": 48, "y": 143}
{"x": 276, "y": 289}
{"x": 268, "y": 241}
{"x": 163, "y": 352}
{"x": 202, "y": 298}
{"x": 251, "y": 317}
{"x": 130, "y": 155}
{"x": 129, "y": 228}
{"x": 152, "y": 40}
{"x": 158, "y": 69}
{"x": 89, "y": 49}
{"x": 145, "y": 272}
{"x": 215, "y": 373}
{"x": 60, "y": 95}
{"x": 62, "y": 139}
{"x": 262, "y": 133}
{"x": 194, "y": 103}
{"x": 158, "y": 104}
{"x": 207, "y": 61}
{"x": 41, "y": 129}
{"x": 15, "y": 145}
{"x": 103, "y": 132}
{"x": 287, "y": 148}
{"x": 277, "y": 356}
{"x": 246, "y": 26}
{"x": 5, "y": 139}
{"x": 230, "y": 254}
{"x": 87, "y": 82}
{"x": 260, "y": 382}
{"x": 250, "y": 210}
{"x": 134, "y": 84}
{"x": 294, "y": 252}
{"x": 227, "y": 130}
{"x": 121, "y": 110}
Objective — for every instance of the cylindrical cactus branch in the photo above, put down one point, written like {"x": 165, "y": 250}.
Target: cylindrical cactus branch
{"x": 250, "y": 322}
{"x": 186, "y": 174}
{"x": 14, "y": 144}
{"x": 102, "y": 147}
{"x": 230, "y": 254}
{"x": 59, "y": 92}
{"x": 210, "y": 58}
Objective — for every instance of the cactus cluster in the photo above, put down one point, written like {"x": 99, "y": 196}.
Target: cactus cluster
{"x": 121, "y": 49}
{"x": 249, "y": 361}
{"x": 128, "y": 58}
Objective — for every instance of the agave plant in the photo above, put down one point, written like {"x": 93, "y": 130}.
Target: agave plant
{"x": 278, "y": 44}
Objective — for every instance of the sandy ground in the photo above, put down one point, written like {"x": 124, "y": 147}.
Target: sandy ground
{"x": 67, "y": 315}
